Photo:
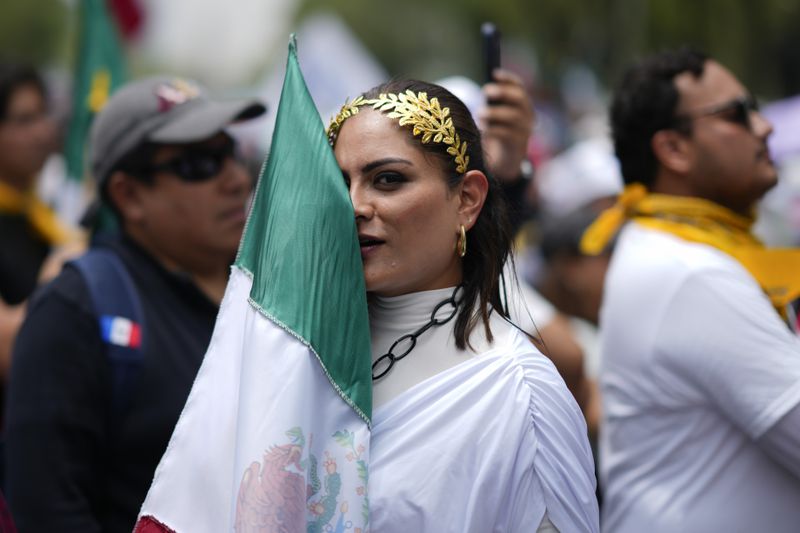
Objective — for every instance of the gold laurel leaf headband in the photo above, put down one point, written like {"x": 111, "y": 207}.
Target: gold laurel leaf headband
{"x": 426, "y": 117}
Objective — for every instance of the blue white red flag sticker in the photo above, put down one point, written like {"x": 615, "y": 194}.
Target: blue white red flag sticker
{"x": 120, "y": 331}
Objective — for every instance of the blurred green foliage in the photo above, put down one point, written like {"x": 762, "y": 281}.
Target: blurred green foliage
{"x": 34, "y": 31}
{"x": 757, "y": 40}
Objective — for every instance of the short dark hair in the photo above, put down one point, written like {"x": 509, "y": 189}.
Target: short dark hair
{"x": 12, "y": 77}
{"x": 135, "y": 163}
{"x": 645, "y": 103}
{"x": 561, "y": 234}
{"x": 490, "y": 238}
{"x": 104, "y": 211}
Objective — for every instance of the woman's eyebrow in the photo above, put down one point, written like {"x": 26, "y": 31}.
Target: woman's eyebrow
{"x": 385, "y": 161}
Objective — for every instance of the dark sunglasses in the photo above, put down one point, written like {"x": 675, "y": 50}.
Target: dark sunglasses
{"x": 736, "y": 111}
{"x": 198, "y": 163}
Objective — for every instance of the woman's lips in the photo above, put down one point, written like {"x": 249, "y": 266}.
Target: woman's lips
{"x": 369, "y": 245}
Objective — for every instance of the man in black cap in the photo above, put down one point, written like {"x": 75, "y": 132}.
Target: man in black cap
{"x": 108, "y": 352}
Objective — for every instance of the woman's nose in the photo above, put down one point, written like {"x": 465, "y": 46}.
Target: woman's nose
{"x": 361, "y": 204}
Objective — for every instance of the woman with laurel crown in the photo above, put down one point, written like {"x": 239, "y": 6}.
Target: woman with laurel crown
{"x": 473, "y": 428}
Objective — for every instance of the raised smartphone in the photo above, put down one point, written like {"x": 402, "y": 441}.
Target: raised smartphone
{"x": 491, "y": 50}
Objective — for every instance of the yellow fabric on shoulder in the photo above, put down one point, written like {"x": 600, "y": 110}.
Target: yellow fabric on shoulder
{"x": 41, "y": 218}
{"x": 777, "y": 270}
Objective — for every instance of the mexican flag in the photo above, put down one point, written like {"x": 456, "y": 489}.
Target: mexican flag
{"x": 275, "y": 434}
{"x": 100, "y": 69}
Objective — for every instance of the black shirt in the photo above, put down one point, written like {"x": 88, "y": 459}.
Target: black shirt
{"x": 22, "y": 253}
{"x": 73, "y": 464}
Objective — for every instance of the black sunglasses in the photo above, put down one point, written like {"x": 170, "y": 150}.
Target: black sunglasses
{"x": 198, "y": 163}
{"x": 736, "y": 111}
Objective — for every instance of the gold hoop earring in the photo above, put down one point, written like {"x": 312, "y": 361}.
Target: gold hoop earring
{"x": 462, "y": 242}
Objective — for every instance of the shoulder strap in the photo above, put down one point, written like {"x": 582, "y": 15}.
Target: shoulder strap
{"x": 119, "y": 314}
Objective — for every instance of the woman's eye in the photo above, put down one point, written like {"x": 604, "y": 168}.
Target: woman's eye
{"x": 389, "y": 179}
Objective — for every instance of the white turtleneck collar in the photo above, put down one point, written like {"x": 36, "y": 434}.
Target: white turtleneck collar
{"x": 436, "y": 351}
{"x": 407, "y": 312}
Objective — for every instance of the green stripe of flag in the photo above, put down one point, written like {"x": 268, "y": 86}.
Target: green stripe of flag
{"x": 301, "y": 246}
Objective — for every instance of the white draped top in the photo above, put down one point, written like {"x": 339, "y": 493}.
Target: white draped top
{"x": 482, "y": 440}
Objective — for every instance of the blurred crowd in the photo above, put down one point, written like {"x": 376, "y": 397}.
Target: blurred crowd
{"x": 81, "y": 443}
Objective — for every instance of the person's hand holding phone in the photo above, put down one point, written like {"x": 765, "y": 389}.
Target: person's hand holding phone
{"x": 506, "y": 123}
{"x": 507, "y": 119}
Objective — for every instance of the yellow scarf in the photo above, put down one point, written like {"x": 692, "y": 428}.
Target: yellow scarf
{"x": 41, "y": 218}
{"x": 694, "y": 219}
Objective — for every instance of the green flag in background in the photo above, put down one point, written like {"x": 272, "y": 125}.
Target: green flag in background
{"x": 100, "y": 69}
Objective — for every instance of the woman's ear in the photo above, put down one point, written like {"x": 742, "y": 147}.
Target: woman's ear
{"x": 473, "y": 190}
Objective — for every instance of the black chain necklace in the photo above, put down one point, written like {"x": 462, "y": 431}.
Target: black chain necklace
{"x": 408, "y": 342}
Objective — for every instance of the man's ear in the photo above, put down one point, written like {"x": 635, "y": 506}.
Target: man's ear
{"x": 473, "y": 190}
{"x": 673, "y": 151}
{"x": 125, "y": 192}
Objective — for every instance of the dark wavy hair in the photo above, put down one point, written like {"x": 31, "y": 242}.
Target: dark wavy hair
{"x": 645, "y": 103}
{"x": 490, "y": 238}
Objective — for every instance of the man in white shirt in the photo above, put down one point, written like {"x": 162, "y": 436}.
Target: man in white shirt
{"x": 700, "y": 374}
